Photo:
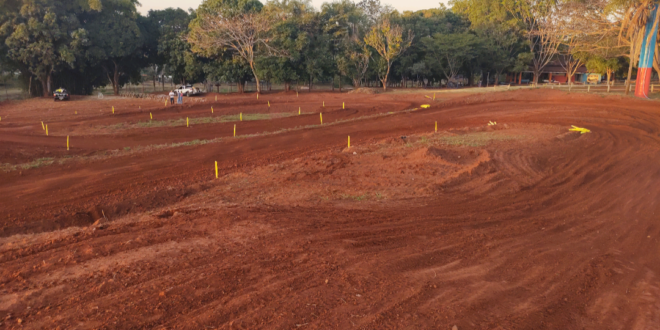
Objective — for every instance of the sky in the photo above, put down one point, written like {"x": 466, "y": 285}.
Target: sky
{"x": 400, "y": 5}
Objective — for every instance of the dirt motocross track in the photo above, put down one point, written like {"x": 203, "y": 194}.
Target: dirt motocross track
{"x": 520, "y": 225}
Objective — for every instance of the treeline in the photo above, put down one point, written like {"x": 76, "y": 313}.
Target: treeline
{"x": 85, "y": 44}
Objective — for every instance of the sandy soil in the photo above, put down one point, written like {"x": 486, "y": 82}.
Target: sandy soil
{"x": 521, "y": 225}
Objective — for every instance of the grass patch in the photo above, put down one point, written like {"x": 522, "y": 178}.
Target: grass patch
{"x": 26, "y": 166}
{"x": 199, "y": 120}
{"x": 355, "y": 197}
{"x": 478, "y": 139}
{"x": 105, "y": 154}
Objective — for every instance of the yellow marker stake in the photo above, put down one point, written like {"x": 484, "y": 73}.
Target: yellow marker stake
{"x": 241, "y": 116}
{"x": 257, "y": 96}
{"x": 579, "y": 129}
{"x": 269, "y": 104}
{"x": 296, "y": 93}
{"x": 436, "y": 127}
{"x": 433, "y": 96}
{"x": 321, "y": 115}
{"x": 150, "y": 116}
{"x": 298, "y": 111}
{"x": 42, "y": 126}
{"x": 349, "y": 142}
{"x": 216, "y": 169}
{"x": 187, "y": 122}
{"x": 46, "y": 129}
{"x": 343, "y": 105}
{"x": 67, "y": 143}
{"x": 324, "y": 104}
{"x": 216, "y": 98}
{"x": 234, "y": 130}
{"x": 165, "y": 102}
{"x": 211, "y": 109}
{"x": 113, "y": 110}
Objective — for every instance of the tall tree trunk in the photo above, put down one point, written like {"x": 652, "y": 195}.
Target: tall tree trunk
{"x": 256, "y": 78}
{"x": 630, "y": 67}
{"x": 44, "y": 87}
{"x": 115, "y": 79}
{"x": 48, "y": 87}
{"x": 384, "y": 79}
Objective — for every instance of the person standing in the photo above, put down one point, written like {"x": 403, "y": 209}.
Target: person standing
{"x": 172, "y": 95}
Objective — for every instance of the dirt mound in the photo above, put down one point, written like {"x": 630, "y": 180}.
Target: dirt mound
{"x": 410, "y": 229}
{"x": 365, "y": 91}
{"x": 456, "y": 156}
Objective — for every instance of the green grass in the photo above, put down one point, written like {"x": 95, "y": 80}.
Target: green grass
{"x": 199, "y": 120}
{"x": 26, "y": 166}
{"x": 104, "y": 154}
{"x": 478, "y": 139}
{"x": 355, "y": 197}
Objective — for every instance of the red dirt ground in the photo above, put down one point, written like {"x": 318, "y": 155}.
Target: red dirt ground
{"x": 521, "y": 225}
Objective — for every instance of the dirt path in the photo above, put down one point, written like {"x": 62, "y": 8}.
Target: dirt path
{"x": 523, "y": 225}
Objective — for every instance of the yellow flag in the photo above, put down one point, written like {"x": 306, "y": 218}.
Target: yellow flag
{"x": 579, "y": 129}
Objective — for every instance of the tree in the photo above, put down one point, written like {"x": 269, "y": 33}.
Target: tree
{"x": 603, "y": 66}
{"x": 173, "y": 52}
{"x": 451, "y": 51}
{"x": 44, "y": 36}
{"x": 632, "y": 27}
{"x": 238, "y": 25}
{"x": 542, "y": 34}
{"x": 355, "y": 64}
{"x": 502, "y": 44}
{"x": 294, "y": 32}
{"x": 374, "y": 10}
{"x": 118, "y": 41}
{"x": 388, "y": 41}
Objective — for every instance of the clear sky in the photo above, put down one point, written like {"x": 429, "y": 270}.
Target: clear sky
{"x": 401, "y": 5}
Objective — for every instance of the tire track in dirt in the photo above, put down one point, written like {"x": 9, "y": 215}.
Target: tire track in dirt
{"x": 556, "y": 232}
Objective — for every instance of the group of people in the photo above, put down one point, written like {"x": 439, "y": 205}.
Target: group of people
{"x": 173, "y": 94}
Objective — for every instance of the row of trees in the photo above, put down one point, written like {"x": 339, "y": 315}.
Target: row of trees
{"x": 84, "y": 44}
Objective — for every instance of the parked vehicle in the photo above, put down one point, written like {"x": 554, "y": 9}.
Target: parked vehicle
{"x": 188, "y": 90}
{"x": 61, "y": 94}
